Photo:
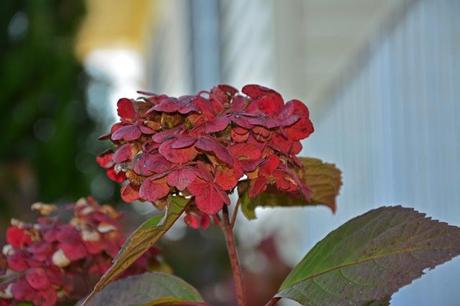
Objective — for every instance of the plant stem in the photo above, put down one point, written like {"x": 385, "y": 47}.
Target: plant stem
{"x": 232, "y": 253}
{"x": 235, "y": 214}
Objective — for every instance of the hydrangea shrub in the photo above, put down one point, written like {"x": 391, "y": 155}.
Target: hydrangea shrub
{"x": 62, "y": 255}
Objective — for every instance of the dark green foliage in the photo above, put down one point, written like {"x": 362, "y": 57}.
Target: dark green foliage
{"x": 43, "y": 120}
{"x": 148, "y": 289}
{"x": 370, "y": 257}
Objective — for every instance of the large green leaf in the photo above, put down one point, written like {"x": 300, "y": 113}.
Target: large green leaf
{"x": 323, "y": 179}
{"x": 370, "y": 257}
{"x": 142, "y": 239}
{"x": 148, "y": 289}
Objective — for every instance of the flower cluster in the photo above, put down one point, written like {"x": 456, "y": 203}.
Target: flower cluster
{"x": 204, "y": 145}
{"x": 52, "y": 260}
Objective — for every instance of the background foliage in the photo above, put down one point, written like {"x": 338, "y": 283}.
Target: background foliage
{"x": 43, "y": 150}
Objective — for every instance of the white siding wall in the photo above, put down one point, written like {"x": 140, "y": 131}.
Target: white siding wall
{"x": 394, "y": 130}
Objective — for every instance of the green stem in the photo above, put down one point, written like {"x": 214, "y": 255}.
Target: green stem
{"x": 233, "y": 255}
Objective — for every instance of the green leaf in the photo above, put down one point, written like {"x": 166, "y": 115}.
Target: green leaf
{"x": 148, "y": 289}
{"x": 370, "y": 257}
{"x": 323, "y": 179}
{"x": 142, "y": 239}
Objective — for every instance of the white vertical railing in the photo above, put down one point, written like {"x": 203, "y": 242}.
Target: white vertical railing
{"x": 395, "y": 132}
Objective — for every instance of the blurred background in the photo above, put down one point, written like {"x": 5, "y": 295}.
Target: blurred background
{"x": 381, "y": 78}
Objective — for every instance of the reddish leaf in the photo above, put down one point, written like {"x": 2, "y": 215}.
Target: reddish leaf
{"x": 154, "y": 189}
{"x": 317, "y": 184}
{"x": 179, "y": 156}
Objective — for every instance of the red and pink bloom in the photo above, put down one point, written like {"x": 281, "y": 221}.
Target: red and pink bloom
{"x": 204, "y": 145}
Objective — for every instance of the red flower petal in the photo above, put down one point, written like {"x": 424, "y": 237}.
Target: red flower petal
{"x": 258, "y": 186}
{"x": 226, "y": 178}
{"x": 179, "y": 156}
{"x": 245, "y": 151}
{"x": 22, "y": 291}
{"x": 269, "y": 165}
{"x": 129, "y": 194}
{"x": 165, "y": 135}
{"x": 206, "y": 108}
{"x": 216, "y": 125}
{"x": 18, "y": 261}
{"x": 125, "y": 109}
{"x": 127, "y": 133}
{"x": 211, "y": 145}
{"x": 17, "y": 237}
{"x": 148, "y": 164}
{"x": 209, "y": 198}
{"x": 239, "y": 104}
{"x": 303, "y": 127}
{"x": 116, "y": 177}
{"x": 154, "y": 189}
{"x": 182, "y": 178}
{"x": 167, "y": 105}
{"x": 183, "y": 141}
{"x": 123, "y": 153}
{"x": 192, "y": 220}
{"x": 105, "y": 160}
{"x": 37, "y": 279}
{"x": 73, "y": 250}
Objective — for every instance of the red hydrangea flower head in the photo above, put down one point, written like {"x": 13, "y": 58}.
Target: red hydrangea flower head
{"x": 56, "y": 259}
{"x": 204, "y": 145}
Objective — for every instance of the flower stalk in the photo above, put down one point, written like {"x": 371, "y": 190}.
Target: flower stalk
{"x": 233, "y": 255}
